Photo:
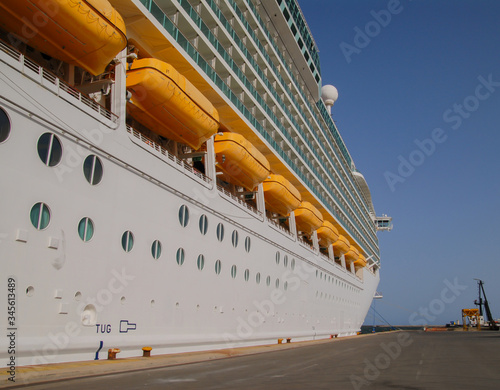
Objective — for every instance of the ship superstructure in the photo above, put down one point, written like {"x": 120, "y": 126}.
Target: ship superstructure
{"x": 172, "y": 177}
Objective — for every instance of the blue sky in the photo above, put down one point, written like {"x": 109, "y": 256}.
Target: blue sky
{"x": 433, "y": 65}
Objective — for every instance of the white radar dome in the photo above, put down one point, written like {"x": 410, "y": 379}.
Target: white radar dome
{"x": 329, "y": 94}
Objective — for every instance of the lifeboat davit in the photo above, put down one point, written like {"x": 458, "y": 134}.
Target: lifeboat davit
{"x": 341, "y": 246}
{"x": 167, "y": 103}
{"x": 352, "y": 254}
{"x": 240, "y": 162}
{"x": 307, "y": 218}
{"x": 86, "y": 33}
{"x": 361, "y": 262}
{"x": 327, "y": 234}
{"x": 280, "y": 195}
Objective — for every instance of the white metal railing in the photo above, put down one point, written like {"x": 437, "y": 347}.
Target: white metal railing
{"x": 325, "y": 257}
{"x": 305, "y": 243}
{"x": 27, "y": 67}
{"x": 279, "y": 227}
{"x": 228, "y": 194}
{"x": 169, "y": 157}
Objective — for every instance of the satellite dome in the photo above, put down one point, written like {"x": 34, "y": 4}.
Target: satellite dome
{"x": 329, "y": 94}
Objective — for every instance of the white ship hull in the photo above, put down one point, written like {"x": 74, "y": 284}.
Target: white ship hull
{"x": 74, "y": 300}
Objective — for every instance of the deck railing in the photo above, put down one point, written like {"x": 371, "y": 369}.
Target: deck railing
{"x": 53, "y": 83}
{"x": 241, "y": 202}
{"x": 167, "y": 156}
{"x": 279, "y": 227}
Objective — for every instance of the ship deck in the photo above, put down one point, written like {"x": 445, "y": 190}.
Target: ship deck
{"x": 401, "y": 359}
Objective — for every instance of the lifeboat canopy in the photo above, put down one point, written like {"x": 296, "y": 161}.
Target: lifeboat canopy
{"x": 86, "y": 33}
{"x": 361, "y": 262}
{"x": 280, "y": 195}
{"x": 240, "y": 162}
{"x": 168, "y": 104}
{"x": 341, "y": 246}
{"x": 327, "y": 234}
{"x": 308, "y": 218}
{"x": 352, "y": 254}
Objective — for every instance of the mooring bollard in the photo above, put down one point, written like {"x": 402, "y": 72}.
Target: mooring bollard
{"x": 112, "y": 353}
{"x": 146, "y": 351}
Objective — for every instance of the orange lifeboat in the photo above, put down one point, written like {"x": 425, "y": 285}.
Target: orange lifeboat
{"x": 167, "y": 103}
{"x": 327, "y": 234}
{"x": 307, "y": 218}
{"x": 280, "y": 195}
{"x": 361, "y": 262}
{"x": 342, "y": 245}
{"x": 352, "y": 254}
{"x": 240, "y": 162}
{"x": 86, "y": 33}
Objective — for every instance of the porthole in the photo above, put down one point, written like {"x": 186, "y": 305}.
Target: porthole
{"x": 40, "y": 216}
{"x": 234, "y": 238}
{"x": 218, "y": 267}
{"x": 277, "y": 257}
{"x": 277, "y": 283}
{"x": 285, "y": 261}
{"x": 247, "y": 244}
{"x": 233, "y": 271}
{"x": 257, "y": 278}
{"x": 285, "y": 286}
{"x": 200, "y": 262}
{"x": 4, "y": 126}
{"x": 127, "y": 241}
{"x": 92, "y": 169}
{"x": 86, "y": 229}
{"x": 183, "y": 215}
{"x": 49, "y": 149}
{"x": 247, "y": 275}
{"x": 156, "y": 249}
{"x": 292, "y": 264}
{"x": 203, "y": 224}
{"x": 268, "y": 280}
{"x": 180, "y": 256}
{"x": 220, "y": 232}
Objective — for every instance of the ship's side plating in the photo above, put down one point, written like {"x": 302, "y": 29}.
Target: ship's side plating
{"x": 117, "y": 240}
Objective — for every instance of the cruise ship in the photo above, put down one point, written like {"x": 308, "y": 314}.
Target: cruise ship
{"x": 172, "y": 178}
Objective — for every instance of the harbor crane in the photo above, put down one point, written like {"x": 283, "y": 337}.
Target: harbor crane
{"x": 480, "y": 302}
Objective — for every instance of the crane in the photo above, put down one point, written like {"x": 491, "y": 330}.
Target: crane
{"x": 480, "y": 303}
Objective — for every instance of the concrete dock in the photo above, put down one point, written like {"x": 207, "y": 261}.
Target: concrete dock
{"x": 392, "y": 360}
